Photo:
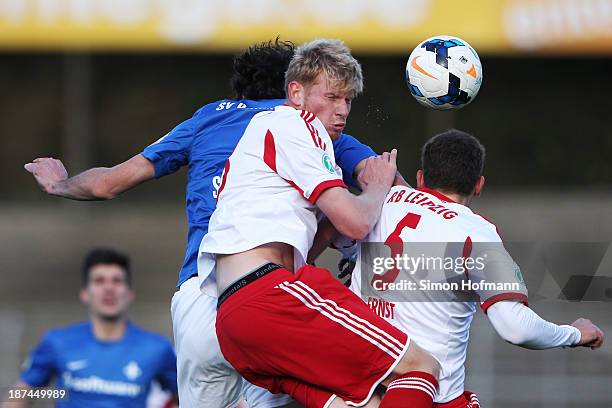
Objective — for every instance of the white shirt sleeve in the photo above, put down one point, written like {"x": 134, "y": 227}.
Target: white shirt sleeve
{"x": 303, "y": 154}
{"x": 496, "y": 266}
{"x": 519, "y": 325}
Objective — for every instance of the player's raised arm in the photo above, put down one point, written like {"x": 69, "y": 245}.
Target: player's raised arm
{"x": 354, "y": 216}
{"x": 519, "y": 325}
{"x": 100, "y": 183}
{"x": 161, "y": 158}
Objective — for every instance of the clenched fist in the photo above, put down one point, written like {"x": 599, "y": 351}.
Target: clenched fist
{"x": 379, "y": 170}
{"x": 590, "y": 335}
{"x": 48, "y": 172}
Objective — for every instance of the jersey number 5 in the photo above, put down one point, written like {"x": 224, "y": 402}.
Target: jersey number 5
{"x": 396, "y": 245}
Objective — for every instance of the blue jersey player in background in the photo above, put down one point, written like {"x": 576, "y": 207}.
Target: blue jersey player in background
{"x": 105, "y": 362}
{"x": 203, "y": 143}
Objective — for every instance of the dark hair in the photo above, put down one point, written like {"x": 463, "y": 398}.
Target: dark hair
{"x": 106, "y": 256}
{"x": 259, "y": 72}
{"x": 452, "y": 162}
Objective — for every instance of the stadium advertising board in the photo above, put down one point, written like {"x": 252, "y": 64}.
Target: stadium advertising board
{"x": 384, "y": 26}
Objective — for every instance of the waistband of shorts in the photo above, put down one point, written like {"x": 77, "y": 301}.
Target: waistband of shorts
{"x": 247, "y": 279}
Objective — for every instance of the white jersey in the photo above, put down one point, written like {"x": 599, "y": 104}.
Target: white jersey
{"x": 414, "y": 219}
{"x": 270, "y": 185}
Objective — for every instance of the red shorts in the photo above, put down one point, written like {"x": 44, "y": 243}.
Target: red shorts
{"x": 310, "y": 328}
{"x": 467, "y": 400}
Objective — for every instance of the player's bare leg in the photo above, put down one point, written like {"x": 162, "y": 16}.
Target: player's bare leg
{"x": 374, "y": 402}
{"x": 415, "y": 359}
{"x": 413, "y": 382}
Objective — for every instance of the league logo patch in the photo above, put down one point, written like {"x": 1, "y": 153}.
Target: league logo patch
{"x": 327, "y": 163}
{"x": 132, "y": 371}
{"x": 519, "y": 276}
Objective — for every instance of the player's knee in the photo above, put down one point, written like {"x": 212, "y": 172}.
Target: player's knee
{"x": 417, "y": 359}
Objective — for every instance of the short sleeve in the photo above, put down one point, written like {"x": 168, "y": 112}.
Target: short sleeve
{"x": 296, "y": 150}
{"x": 349, "y": 152}
{"x": 171, "y": 152}
{"x": 40, "y": 365}
{"x": 495, "y": 276}
{"x": 166, "y": 376}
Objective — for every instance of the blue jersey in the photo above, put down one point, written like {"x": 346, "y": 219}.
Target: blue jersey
{"x": 104, "y": 374}
{"x": 204, "y": 143}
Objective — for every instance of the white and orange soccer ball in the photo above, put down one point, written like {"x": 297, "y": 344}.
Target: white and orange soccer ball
{"x": 444, "y": 73}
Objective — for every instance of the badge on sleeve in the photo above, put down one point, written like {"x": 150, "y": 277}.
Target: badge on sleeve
{"x": 327, "y": 163}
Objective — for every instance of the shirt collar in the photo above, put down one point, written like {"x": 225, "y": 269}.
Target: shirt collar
{"x": 437, "y": 194}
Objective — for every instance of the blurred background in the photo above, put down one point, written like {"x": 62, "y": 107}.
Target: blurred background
{"x": 93, "y": 82}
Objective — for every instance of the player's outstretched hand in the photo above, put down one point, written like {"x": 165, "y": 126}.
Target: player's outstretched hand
{"x": 590, "y": 335}
{"x": 48, "y": 172}
{"x": 379, "y": 170}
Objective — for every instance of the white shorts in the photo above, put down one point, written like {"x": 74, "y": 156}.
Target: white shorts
{"x": 205, "y": 378}
{"x": 257, "y": 397}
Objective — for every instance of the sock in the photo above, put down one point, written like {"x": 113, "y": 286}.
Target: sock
{"x": 472, "y": 398}
{"x": 415, "y": 389}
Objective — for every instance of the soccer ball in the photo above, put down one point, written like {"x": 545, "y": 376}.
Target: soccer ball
{"x": 444, "y": 73}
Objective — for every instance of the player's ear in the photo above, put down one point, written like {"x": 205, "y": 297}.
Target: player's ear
{"x": 84, "y": 296}
{"x": 420, "y": 179}
{"x": 295, "y": 94}
{"x": 479, "y": 186}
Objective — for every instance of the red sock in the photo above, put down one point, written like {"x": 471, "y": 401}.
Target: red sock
{"x": 472, "y": 399}
{"x": 414, "y": 389}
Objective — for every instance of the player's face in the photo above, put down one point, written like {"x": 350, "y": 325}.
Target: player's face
{"x": 107, "y": 293}
{"x": 331, "y": 105}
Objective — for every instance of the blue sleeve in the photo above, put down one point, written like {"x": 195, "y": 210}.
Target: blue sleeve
{"x": 171, "y": 152}
{"x": 167, "y": 370}
{"x": 40, "y": 366}
{"x": 349, "y": 152}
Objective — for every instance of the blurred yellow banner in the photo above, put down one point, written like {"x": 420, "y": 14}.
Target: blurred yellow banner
{"x": 377, "y": 26}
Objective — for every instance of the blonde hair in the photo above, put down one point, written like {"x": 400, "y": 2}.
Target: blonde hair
{"x": 331, "y": 57}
